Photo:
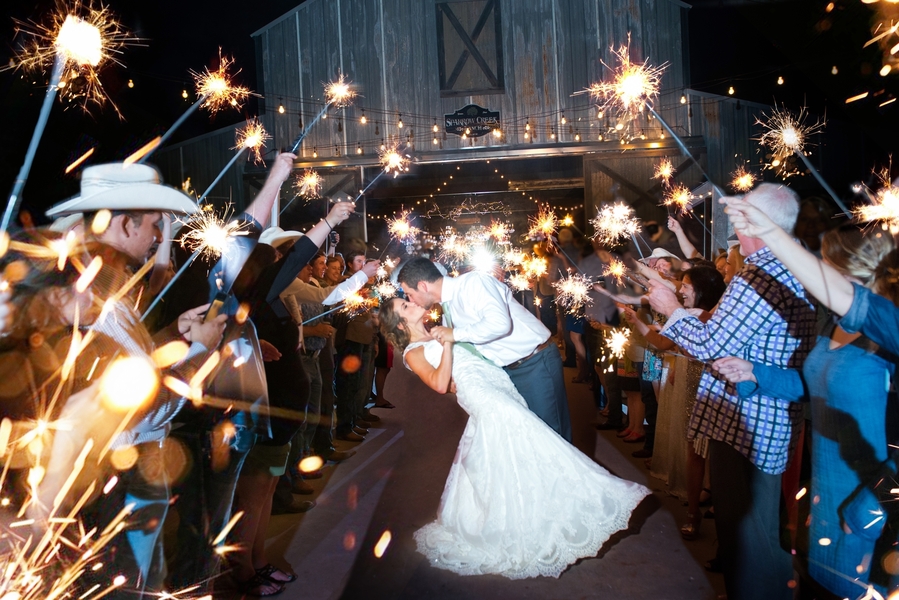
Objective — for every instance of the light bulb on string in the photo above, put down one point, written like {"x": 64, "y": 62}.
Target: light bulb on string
{"x": 314, "y": 152}
{"x": 577, "y": 136}
{"x": 399, "y": 123}
{"x": 362, "y": 119}
{"x": 130, "y": 83}
{"x": 683, "y": 99}
{"x": 435, "y": 126}
{"x": 564, "y": 120}
{"x": 280, "y": 107}
{"x": 359, "y": 149}
{"x": 184, "y": 94}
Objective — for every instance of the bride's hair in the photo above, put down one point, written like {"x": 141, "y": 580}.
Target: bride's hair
{"x": 390, "y": 322}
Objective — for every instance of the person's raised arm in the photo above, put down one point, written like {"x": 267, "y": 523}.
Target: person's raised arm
{"x": 339, "y": 213}
{"x": 261, "y": 208}
{"x": 438, "y": 379}
{"x": 819, "y": 279}
{"x": 686, "y": 246}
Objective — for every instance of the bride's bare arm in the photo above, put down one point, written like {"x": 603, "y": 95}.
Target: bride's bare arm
{"x": 438, "y": 379}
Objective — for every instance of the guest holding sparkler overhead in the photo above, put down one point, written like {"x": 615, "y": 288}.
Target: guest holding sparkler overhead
{"x": 852, "y": 463}
{"x": 122, "y": 207}
{"x": 764, "y": 315}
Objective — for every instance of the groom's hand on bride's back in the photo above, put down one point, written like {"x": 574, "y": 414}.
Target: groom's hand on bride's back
{"x": 442, "y": 334}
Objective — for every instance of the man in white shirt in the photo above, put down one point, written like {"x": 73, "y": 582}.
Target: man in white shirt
{"x": 479, "y": 310}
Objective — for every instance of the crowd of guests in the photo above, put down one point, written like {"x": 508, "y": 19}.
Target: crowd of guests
{"x": 240, "y": 373}
{"x": 759, "y": 383}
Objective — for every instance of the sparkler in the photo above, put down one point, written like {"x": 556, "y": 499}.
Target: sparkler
{"x": 743, "y": 180}
{"x": 544, "y": 225}
{"x": 310, "y": 184}
{"x": 338, "y": 93}
{"x": 535, "y": 267}
{"x": 573, "y": 291}
{"x": 519, "y": 282}
{"x": 785, "y": 135}
{"x": 394, "y": 160}
{"x": 76, "y": 46}
{"x": 216, "y": 92}
{"x": 483, "y": 260}
{"x": 664, "y": 171}
{"x": 615, "y": 222}
{"x": 633, "y": 87}
{"x": 616, "y": 341}
{"x": 499, "y": 231}
{"x": 253, "y": 138}
{"x": 453, "y": 249}
{"x": 401, "y": 228}
{"x": 885, "y": 205}
{"x": 615, "y": 269}
{"x": 678, "y": 197}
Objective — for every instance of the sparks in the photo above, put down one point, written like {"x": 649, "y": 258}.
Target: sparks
{"x": 84, "y": 38}
{"x": 499, "y": 231}
{"x": 615, "y": 269}
{"x": 385, "y": 290}
{"x": 785, "y": 135}
{"x": 211, "y": 235}
{"x": 633, "y": 85}
{"x": 310, "y": 184}
{"x": 253, "y": 138}
{"x": 401, "y": 228}
{"x": 743, "y": 180}
{"x": 453, "y": 249}
{"x": 394, "y": 160}
{"x": 482, "y": 260}
{"x": 885, "y": 205}
{"x": 664, "y": 171}
{"x": 356, "y": 304}
{"x": 339, "y": 93}
{"x": 535, "y": 267}
{"x": 616, "y": 340}
{"x": 679, "y": 198}
{"x": 567, "y": 221}
{"x": 216, "y": 89}
{"x": 544, "y": 225}
{"x": 615, "y": 222}
{"x": 519, "y": 282}
{"x": 573, "y": 292}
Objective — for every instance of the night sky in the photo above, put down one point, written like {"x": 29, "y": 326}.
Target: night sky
{"x": 746, "y": 45}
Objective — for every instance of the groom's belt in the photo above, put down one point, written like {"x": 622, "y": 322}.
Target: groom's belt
{"x": 536, "y": 351}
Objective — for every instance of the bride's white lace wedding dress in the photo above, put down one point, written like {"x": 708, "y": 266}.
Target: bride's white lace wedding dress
{"x": 520, "y": 501}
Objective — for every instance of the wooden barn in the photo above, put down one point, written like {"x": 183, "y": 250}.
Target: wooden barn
{"x": 487, "y": 99}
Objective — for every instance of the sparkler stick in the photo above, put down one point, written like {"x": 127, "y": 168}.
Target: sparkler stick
{"x": 221, "y": 174}
{"x": 171, "y": 282}
{"x": 165, "y": 136}
{"x": 821, "y": 181}
{"x": 296, "y": 143}
{"x": 683, "y": 148}
{"x": 639, "y": 251}
{"x": 340, "y": 94}
{"x": 13, "y": 203}
{"x": 335, "y": 309}
{"x": 252, "y": 137}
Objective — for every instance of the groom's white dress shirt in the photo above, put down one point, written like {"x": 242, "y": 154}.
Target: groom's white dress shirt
{"x": 484, "y": 313}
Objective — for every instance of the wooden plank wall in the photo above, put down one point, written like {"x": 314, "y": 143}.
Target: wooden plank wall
{"x": 552, "y": 49}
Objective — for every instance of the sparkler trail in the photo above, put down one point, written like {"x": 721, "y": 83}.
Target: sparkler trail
{"x": 572, "y": 292}
{"x": 683, "y": 148}
{"x": 337, "y": 93}
{"x": 252, "y": 137}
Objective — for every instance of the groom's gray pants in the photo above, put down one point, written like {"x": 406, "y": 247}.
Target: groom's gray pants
{"x": 540, "y": 380}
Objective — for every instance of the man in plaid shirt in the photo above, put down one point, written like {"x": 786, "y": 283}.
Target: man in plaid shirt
{"x": 764, "y": 316}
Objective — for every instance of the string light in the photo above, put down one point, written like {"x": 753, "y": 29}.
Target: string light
{"x": 564, "y": 120}
{"x": 730, "y": 90}
{"x": 130, "y": 83}
{"x": 184, "y": 94}
{"x": 780, "y": 81}
{"x": 683, "y": 99}
{"x": 399, "y": 123}
{"x": 435, "y": 126}
{"x": 314, "y": 152}
{"x": 280, "y": 106}
{"x": 362, "y": 119}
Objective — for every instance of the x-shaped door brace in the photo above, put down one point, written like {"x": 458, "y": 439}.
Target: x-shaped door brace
{"x": 469, "y": 41}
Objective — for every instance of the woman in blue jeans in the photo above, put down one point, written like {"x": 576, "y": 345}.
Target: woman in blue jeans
{"x": 847, "y": 379}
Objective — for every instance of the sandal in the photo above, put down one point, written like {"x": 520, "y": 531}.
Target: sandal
{"x": 268, "y": 573}
{"x": 259, "y": 586}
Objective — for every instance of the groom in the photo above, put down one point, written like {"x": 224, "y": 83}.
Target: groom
{"x": 480, "y": 311}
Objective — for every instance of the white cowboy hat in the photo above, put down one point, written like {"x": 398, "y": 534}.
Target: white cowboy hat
{"x": 275, "y": 236}
{"x": 661, "y": 253}
{"x": 117, "y": 186}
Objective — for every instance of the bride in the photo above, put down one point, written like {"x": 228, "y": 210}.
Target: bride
{"x": 520, "y": 501}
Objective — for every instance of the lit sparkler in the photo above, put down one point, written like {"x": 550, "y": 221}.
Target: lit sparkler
{"x": 664, "y": 171}
{"x": 679, "y": 198}
{"x": 743, "y": 180}
{"x": 616, "y": 341}
{"x": 210, "y": 234}
{"x": 216, "y": 89}
{"x": 453, "y": 249}
{"x": 513, "y": 257}
{"x": 252, "y": 138}
{"x": 615, "y": 222}
{"x": 615, "y": 269}
{"x": 784, "y": 136}
{"x": 339, "y": 93}
{"x": 544, "y": 225}
{"x": 535, "y": 267}
{"x": 633, "y": 86}
{"x": 310, "y": 184}
{"x": 884, "y": 207}
{"x": 394, "y": 160}
{"x": 500, "y": 231}
{"x": 401, "y": 228}
{"x": 519, "y": 282}
{"x": 573, "y": 292}
{"x": 356, "y": 304}
{"x": 482, "y": 260}
{"x": 385, "y": 289}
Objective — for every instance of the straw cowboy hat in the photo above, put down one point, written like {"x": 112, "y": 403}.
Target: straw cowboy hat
{"x": 662, "y": 253}
{"x": 275, "y": 236}
{"x": 117, "y": 186}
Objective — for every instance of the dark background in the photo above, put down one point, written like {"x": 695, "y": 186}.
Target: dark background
{"x": 738, "y": 43}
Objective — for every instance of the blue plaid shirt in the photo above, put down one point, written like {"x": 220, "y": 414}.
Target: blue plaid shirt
{"x": 765, "y": 317}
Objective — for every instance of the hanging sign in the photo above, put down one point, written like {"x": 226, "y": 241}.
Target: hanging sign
{"x": 472, "y": 120}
